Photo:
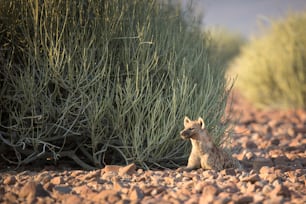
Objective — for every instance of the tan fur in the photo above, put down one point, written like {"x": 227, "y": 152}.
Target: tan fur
{"x": 205, "y": 154}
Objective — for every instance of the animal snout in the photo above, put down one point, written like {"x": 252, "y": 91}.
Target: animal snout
{"x": 184, "y": 134}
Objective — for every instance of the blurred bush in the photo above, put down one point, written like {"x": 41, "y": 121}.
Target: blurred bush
{"x": 104, "y": 82}
{"x": 225, "y": 45}
{"x": 272, "y": 69}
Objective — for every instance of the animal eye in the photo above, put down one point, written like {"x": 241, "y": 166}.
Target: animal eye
{"x": 191, "y": 129}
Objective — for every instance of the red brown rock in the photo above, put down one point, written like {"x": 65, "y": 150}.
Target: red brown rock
{"x": 76, "y": 173}
{"x": 83, "y": 190}
{"x": 136, "y": 194}
{"x": 250, "y": 145}
{"x": 9, "y": 197}
{"x": 63, "y": 189}
{"x": 266, "y": 170}
{"x": 111, "y": 168}
{"x": 117, "y": 185}
{"x": 244, "y": 200}
{"x": 73, "y": 199}
{"x": 57, "y": 180}
{"x": 229, "y": 172}
{"x": 105, "y": 196}
{"x": 10, "y": 180}
{"x": 281, "y": 190}
{"x": 210, "y": 190}
{"x": 260, "y": 162}
{"x": 223, "y": 197}
{"x": 33, "y": 189}
{"x": 251, "y": 178}
{"x": 127, "y": 170}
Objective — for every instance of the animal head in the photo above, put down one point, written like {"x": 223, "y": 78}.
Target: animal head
{"x": 192, "y": 128}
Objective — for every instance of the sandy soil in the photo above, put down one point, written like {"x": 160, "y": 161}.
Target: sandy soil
{"x": 272, "y": 149}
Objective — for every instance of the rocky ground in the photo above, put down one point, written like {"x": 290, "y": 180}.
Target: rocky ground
{"x": 272, "y": 149}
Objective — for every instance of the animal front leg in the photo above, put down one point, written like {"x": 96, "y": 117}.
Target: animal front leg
{"x": 194, "y": 162}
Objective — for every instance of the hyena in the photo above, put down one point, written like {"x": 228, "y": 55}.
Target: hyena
{"x": 205, "y": 154}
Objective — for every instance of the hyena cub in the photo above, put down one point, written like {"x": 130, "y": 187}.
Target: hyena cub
{"x": 205, "y": 154}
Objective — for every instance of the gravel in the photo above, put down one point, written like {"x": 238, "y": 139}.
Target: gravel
{"x": 272, "y": 150}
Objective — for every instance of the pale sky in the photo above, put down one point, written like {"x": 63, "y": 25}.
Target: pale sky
{"x": 243, "y": 16}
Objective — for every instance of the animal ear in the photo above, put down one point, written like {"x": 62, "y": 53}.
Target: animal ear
{"x": 201, "y": 121}
{"x": 186, "y": 120}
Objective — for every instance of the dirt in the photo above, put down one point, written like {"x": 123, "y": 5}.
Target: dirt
{"x": 271, "y": 145}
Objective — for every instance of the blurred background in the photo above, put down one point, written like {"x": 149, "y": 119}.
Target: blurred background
{"x": 244, "y": 16}
{"x": 262, "y": 44}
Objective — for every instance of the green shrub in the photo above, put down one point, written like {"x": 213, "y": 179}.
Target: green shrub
{"x": 225, "y": 45}
{"x": 272, "y": 69}
{"x": 106, "y": 82}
